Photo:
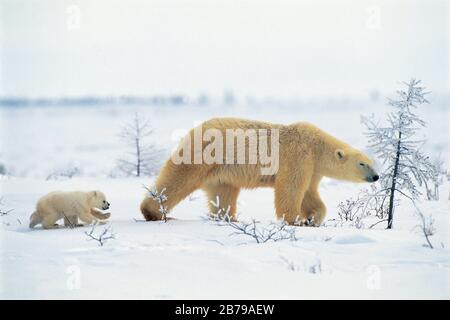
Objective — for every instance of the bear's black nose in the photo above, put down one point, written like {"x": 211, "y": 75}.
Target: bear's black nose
{"x": 375, "y": 178}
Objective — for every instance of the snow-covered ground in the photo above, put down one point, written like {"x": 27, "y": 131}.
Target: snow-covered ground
{"x": 190, "y": 257}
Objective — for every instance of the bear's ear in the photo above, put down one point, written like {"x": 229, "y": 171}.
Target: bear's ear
{"x": 340, "y": 154}
{"x": 93, "y": 194}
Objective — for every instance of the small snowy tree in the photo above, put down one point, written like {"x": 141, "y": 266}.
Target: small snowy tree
{"x": 437, "y": 178}
{"x": 406, "y": 167}
{"x": 143, "y": 156}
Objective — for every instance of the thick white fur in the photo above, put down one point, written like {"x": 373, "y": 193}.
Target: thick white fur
{"x": 69, "y": 206}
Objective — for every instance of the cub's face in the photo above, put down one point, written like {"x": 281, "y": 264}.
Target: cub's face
{"x": 98, "y": 200}
{"x": 355, "y": 166}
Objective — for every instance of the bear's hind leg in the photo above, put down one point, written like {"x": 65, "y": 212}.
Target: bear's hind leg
{"x": 222, "y": 200}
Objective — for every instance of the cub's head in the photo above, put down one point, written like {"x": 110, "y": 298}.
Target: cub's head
{"x": 97, "y": 199}
{"x": 353, "y": 165}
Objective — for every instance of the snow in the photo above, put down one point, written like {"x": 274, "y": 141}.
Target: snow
{"x": 189, "y": 257}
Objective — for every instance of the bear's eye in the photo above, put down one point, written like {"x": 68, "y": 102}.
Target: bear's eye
{"x": 104, "y": 201}
{"x": 362, "y": 164}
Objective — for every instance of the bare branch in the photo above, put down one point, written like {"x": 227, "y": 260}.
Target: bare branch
{"x": 426, "y": 226}
{"x": 101, "y": 237}
{"x": 4, "y": 212}
{"x": 373, "y": 225}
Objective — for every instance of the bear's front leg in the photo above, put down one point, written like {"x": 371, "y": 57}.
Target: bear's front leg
{"x": 312, "y": 205}
{"x": 222, "y": 200}
{"x": 290, "y": 190}
{"x": 314, "y": 209}
{"x": 176, "y": 182}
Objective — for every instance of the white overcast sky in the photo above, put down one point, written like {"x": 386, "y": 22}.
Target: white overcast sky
{"x": 255, "y": 47}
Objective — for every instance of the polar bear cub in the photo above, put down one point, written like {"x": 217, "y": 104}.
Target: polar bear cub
{"x": 69, "y": 206}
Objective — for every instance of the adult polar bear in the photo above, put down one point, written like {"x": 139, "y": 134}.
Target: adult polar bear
{"x": 305, "y": 155}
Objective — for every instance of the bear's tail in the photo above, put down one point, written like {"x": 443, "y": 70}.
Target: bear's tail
{"x": 100, "y": 215}
{"x": 35, "y": 219}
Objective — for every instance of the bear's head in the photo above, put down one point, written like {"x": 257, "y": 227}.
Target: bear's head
{"x": 97, "y": 199}
{"x": 353, "y": 165}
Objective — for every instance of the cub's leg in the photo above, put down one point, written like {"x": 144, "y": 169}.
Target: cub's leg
{"x": 290, "y": 189}
{"x": 222, "y": 199}
{"x": 100, "y": 215}
{"x": 71, "y": 221}
{"x": 86, "y": 217}
{"x": 312, "y": 205}
{"x": 178, "y": 181}
{"x": 49, "y": 220}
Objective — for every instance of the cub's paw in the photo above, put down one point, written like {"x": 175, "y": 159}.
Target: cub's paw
{"x": 106, "y": 215}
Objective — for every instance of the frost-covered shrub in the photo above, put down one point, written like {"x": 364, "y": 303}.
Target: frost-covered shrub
{"x": 258, "y": 231}
{"x": 365, "y": 211}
